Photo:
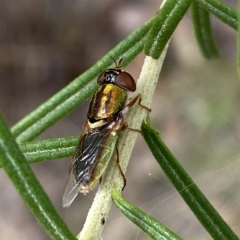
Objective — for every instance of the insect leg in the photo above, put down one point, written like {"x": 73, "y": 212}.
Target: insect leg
{"x": 120, "y": 169}
{"x": 139, "y": 99}
{"x": 125, "y": 126}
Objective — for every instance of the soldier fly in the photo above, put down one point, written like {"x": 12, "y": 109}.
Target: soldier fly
{"x": 98, "y": 139}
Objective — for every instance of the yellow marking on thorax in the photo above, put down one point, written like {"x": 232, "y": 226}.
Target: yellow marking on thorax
{"x": 112, "y": 97}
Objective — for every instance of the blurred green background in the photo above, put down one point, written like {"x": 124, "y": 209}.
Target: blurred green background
{"x": 46, "y": 44}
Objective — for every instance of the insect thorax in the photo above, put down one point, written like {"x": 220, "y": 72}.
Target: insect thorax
{"x": 108, "y": 100}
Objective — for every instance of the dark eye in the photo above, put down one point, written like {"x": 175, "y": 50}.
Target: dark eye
{"x": 126, "y": 81}
{"x": 100, "y": 79}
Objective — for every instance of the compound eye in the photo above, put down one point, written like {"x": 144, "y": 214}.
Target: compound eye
{"x": 126, "y": 81}
{"x": 101, "y": 77}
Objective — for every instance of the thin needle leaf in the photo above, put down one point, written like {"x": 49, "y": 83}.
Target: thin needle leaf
{"x": 49, "y": 149}
{"x": 164, "y": 25}
{"x": 148, "y": 224}
{"x": 191, "y": 194}
{"x": 78, "y": 90}
{"x": 202, "y": 30}
{"x": 220, "y": 10}
{"x": 32, "y": 193}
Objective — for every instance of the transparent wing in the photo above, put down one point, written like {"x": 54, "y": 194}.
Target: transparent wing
{"x": 85, "y": 158}
{"x": 70, "y": 191}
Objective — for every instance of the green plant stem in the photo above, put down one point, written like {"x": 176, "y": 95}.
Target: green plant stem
{"x": 225, "y": 13}
{"x": 191, "y": 194}
{"x": 78, "y": 90}
{"x": 21, "y": 175}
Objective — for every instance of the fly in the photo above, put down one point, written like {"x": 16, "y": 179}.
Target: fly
{"x": 98, "y": 139}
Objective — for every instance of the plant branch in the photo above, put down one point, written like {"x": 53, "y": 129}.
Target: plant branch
{"x": 103, "y": 200}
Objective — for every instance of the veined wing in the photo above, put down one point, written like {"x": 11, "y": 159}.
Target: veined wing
{"x": 105, "y": 156}
{"x": 86, "y": 156}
